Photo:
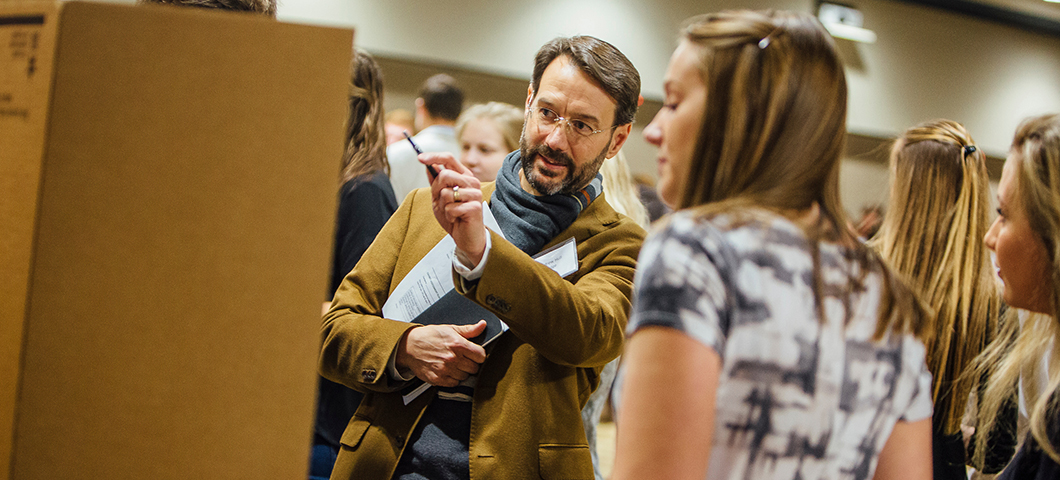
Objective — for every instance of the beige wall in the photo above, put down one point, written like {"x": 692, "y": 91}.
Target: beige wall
{"x": 927, "y": 63}
{"x": 502, "y": 37}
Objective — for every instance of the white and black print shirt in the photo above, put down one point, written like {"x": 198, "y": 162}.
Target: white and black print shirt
{"x": 797, "y": 398}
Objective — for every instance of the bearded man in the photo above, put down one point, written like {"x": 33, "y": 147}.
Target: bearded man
{"x": 510, "y": 409}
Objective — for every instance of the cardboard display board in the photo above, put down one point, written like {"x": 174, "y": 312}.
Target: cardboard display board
{"x": 27, "y": 45}
{"x": 166, "y": 207}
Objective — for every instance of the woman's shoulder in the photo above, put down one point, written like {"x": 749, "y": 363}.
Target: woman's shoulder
{"x": 743, "y": 222}
{"x": 745, "y": 231}
{"x": 731, "y": 241}
{"x": 374, "y": 184}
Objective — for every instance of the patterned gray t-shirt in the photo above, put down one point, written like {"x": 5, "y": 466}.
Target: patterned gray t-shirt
{"x": 797, "y": 398}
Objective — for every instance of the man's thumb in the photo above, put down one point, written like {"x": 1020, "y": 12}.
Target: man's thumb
{"x": 471, "y": 331}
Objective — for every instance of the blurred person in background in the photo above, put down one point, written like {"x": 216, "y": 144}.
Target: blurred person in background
{"x": 1025, "y": 238}
{"x": 399, "y": 121}
{"x": 437, "y": 107}
{"x": 622, "y": 191}
{"x": 650, "y": 197}
{"x": 487, "y": 133}
{"x": 939, "y": 204}
{"x": 869, "y": 222}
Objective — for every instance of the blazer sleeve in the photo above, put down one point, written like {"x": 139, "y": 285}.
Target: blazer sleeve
{"x": 356, "y": 340}
{"x": 579, "y": 321}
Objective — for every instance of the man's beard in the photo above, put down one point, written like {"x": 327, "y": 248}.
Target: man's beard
{"x": 575, "y": 179}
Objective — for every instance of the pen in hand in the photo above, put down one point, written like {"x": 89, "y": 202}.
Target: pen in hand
{"x": 430, "y": 168}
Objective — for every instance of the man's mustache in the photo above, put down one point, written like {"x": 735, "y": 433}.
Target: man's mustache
{"x": 553, "y": 155}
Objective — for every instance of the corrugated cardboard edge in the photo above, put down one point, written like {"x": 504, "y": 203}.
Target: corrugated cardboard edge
{"x": 45, "y": 413}
{"x": 22, "y": 143}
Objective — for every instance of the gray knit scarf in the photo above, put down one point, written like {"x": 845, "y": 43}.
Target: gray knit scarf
{"x": 529, "y": 221}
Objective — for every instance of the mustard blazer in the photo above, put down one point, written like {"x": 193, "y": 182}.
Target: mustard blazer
{"x": 526, "y": 414}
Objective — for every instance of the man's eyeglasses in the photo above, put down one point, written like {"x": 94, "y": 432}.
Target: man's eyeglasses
{"x": 548, "y": 119}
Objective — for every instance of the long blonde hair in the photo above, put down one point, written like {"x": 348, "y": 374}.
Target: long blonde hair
{"x": 940, "y": 199}
{"x": 1018, "y": 351}
{"x": 365, "y": 129}
{"x": 621, "y": 191}
{"x": 773, "y": 132}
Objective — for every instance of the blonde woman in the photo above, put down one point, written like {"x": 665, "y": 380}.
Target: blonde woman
{"x": 766, "y": 340}
{"x": 1026, "y": 240}
{"x": 939, "y": 200}
{"x": 487, "y": 133}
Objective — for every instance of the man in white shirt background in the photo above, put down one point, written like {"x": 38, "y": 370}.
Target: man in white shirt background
{"x": 439, "y": 103}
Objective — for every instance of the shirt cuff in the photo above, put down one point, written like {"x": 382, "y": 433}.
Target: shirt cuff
{"x": 472, "y": 274}
{"x": 392, "y": 368}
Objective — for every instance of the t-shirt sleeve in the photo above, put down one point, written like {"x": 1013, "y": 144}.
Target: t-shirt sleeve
{"x": 920, "y": 404}
{"x": 679, "y": 285}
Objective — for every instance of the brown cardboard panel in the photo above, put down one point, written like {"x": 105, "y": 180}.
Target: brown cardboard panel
{"x": 183, "y": 243}
{"x": 27, "y": 42}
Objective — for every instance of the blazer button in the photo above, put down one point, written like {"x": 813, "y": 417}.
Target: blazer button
{"x": 368, "y": 374}
{"x": 498, "y": 303}
{"x": 400, "y": 439}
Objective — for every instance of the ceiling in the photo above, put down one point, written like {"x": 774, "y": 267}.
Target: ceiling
{"x": 1039, "y": 8}
{"x": 1035, "y": 15}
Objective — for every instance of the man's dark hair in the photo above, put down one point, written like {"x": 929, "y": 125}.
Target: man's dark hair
{"x": 266, "y": 7}
{"x": 602, "y": 62}
{"x": 442, "y": 98}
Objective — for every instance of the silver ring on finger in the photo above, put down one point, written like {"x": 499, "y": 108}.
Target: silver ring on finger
{"x": 456, "y": 194}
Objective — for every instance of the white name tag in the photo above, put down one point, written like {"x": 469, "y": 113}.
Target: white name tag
{"x": 562, "y": 258}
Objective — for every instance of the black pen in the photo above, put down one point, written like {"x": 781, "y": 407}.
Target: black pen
{"x": 430, "y": 168}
